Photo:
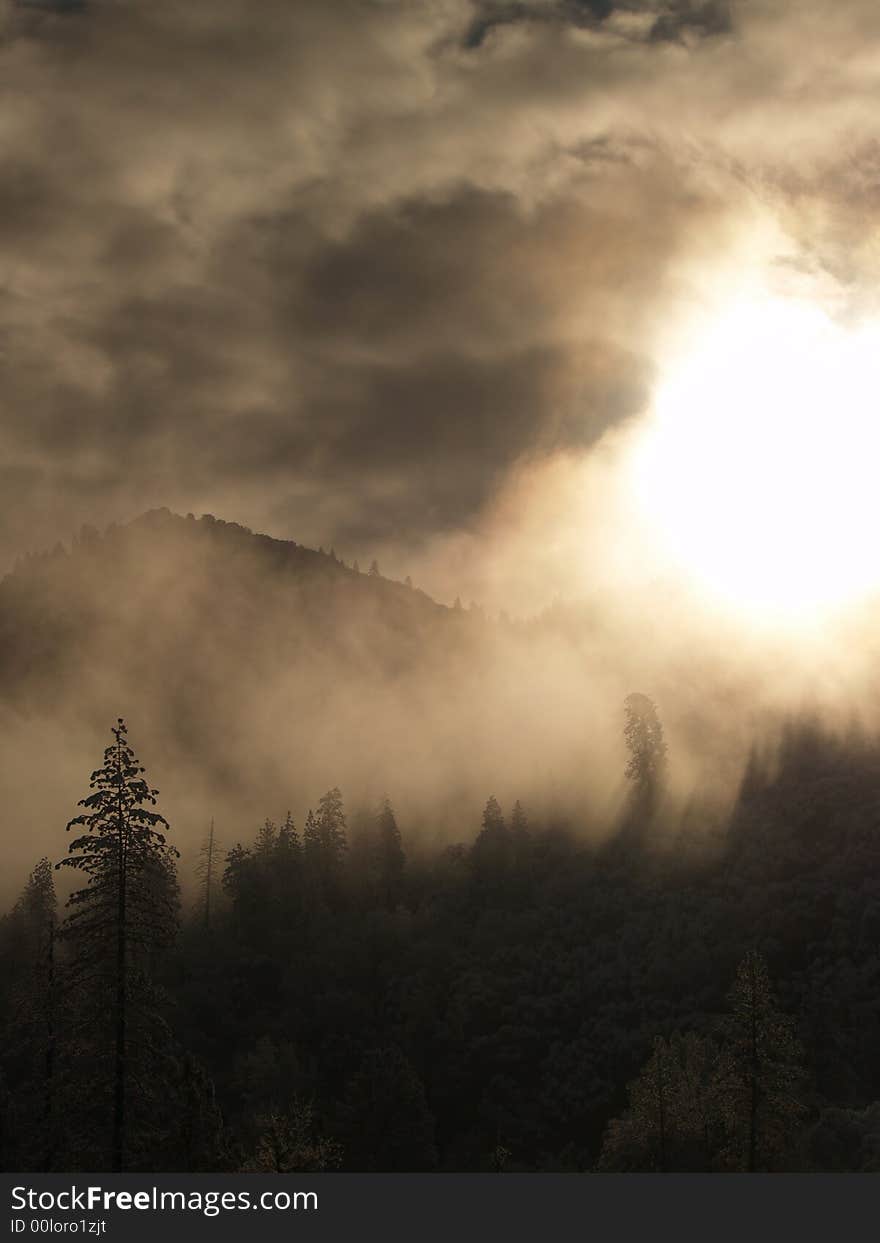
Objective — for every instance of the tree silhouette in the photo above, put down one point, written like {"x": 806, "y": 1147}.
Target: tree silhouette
{"x": 492, "y": 851}
{"x": 762, "y": 1071}
{"x": 325, "y": 841}
{"x": 288, "y": 840}
{"x": 388, "y": 858}
{"x": 672, "y": 1120}
{"x": 647, "y": 764}
{"x": 519, "y": 833}
{"x": 206, "y": 871}
{"x": 267, "y": 839}
{"x": 119, "y": 922}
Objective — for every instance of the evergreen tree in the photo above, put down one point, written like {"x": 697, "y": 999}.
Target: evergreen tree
{"x": 288, "y": 839}
{"x": 492, "y": 854}
{"x": 237, "y": 875}
{"x": 389, "y": 859}
{"x": 374, "y": 570}
{"x": 206, "y": 871}
{"x": 325, "y": 836}
{"x": 519, "y": 833}
{"x": 672, "y": 1120}
{"x": 311, "y": 839}
{"x": 493, "y": 818}
{"x": 284, "y": 887}
{"x": 762, "y": 1073}
{"x": 117, "y": 927}
{"x": 267, "y": 839}
{"x": 647, "y": 764}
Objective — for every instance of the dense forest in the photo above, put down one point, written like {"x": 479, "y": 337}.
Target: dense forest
{"x": 527, "y": 1000}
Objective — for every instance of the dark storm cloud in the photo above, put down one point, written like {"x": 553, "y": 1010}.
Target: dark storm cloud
{"x": 333, "y": 269}
{"x": 52, "y": 6}
{"x": 445, "y": 431}
{"x": 698, "y": 17}
{"x": 494, "y": 13}
{"x": 669, "y": 21}
{"x": 421, "y": 352}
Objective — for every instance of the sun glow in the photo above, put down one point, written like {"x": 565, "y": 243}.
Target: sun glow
{"x": 758, "y": 470}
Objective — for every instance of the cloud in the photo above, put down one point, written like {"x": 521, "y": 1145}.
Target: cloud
{"x": 494, "y": 13}
{"x": 340, "y": 270}
{"x": 648, "y": 19}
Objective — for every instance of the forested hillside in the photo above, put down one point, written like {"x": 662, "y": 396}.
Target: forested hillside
{"x": 239, "y": 972}
{"x": 325, "y": 1002}
{"x": 254, "y": 670}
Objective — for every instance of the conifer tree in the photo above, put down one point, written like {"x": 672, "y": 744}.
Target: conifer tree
{"x": 519, "y": 833}
{"x": 267, "y": 837}
{"x": 286, "y": 873}
{"x": 331, "y": 828}
{"x": 762, "y": 1071}
{"x": 493, "y": 818}
{"x": 492, "y": 849}
{"x": 325, "y": 840}
{"x": 519, "y": 824}
{"x": 389, "y": 859}
{"x": 207, "y": 873}
{"x": 311, "y": 839}
{"x": 647, "y": 764}
{"x": 288, "y": 848}
{"x": 117, "y": 927}
{"x": 238, "y": 859}
{"x": 672, "y": 1120}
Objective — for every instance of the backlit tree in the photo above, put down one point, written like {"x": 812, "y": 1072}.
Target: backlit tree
{"x": 118, "y": 924}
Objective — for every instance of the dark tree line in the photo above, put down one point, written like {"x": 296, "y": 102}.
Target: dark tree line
{"x": 334, "y": 998}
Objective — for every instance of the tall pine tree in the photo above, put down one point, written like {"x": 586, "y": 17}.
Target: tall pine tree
{"x": 118, "y": 924}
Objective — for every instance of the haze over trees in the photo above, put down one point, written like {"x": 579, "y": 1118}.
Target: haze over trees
{"x": 522, "y": 1000}
{"x": 339, "y": 981}
{"x": 238, "y": 652}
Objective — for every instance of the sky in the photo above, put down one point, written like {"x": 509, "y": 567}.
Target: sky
{"x": 398, "y": 277}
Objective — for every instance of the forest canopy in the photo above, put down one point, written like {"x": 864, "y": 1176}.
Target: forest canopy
{"x": 526, "y": 1000}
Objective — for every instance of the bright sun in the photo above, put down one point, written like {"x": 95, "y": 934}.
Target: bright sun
{"x": 759, "y": 467}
